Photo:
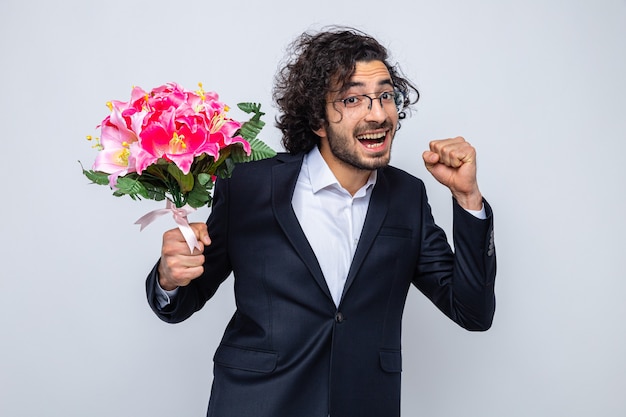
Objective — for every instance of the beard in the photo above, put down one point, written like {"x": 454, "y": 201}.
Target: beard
{"x": 345, "y": 149}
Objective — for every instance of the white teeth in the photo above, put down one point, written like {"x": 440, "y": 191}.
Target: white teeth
{"x": 372, "y": 145}
{"x": 372, "y": 136}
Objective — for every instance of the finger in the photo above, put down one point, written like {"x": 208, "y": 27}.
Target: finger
{"x": 442, "y": 149}
{"x": 186, "y": 275}
{"x": 182, "y": 267}
{"x": 464, "y": 153}
{"x": 430, "y": 158}
{"x": 174, "y": 239}
{"x": 439, "y": 144}
{"x": 184, "y": 261}
{"x": 202, "y": 233}
{"x": 173, "y": 235}
{"x": 454, "y": 158}
{"x": 175, "y": 245}
{"x": 453, "y": 152}
{"x": 178, "y": 276}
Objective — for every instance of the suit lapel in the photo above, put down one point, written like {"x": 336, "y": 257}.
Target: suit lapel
{"x": 284, "y": 178}
{"x": 376, "y": 213}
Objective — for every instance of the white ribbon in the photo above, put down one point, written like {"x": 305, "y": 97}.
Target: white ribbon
{"x": 180, "y": 217}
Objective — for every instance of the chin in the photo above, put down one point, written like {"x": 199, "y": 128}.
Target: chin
{"x": 373, "y": 162}
{"x": 378, "y": 159}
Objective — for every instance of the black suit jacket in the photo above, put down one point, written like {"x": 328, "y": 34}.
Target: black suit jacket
{"x": 288, "y": 350}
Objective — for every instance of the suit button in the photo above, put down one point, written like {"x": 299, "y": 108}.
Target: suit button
{"x": 339, "y": 317}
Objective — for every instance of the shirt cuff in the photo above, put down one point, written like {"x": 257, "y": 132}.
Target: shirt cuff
{"x": 164, "y": 297}
{"x": 480, "y": 214}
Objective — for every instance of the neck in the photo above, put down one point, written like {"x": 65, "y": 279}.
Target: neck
{"x": 349, "y": 177}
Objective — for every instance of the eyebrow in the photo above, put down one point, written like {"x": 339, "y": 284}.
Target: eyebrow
{"x": 350, "y": 84}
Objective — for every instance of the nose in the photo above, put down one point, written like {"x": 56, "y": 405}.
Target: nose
{"x": 376, "y": 110}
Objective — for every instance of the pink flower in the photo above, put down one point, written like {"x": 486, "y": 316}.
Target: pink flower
{"x": 221, "y": 128}
{"x": 117, "y": 136}
{"x": 222, "y": 132}
{"x": 178, "y": 139}
{"x": 182, "y": 125}
{"x": 167, "y": 96}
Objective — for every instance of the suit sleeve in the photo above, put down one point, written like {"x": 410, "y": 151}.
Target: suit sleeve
{"x": 217, "y": 266}
{"x": 459, "y": 283}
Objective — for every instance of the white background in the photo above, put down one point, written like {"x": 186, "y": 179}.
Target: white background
{"x": 539, "y": 88}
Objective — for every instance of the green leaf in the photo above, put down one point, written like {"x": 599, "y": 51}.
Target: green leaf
{"x": 130, "y": 185}
{"x": 158, "y": 170}
{"x": 204, "y": 179}
{"x": 198, "y": 197}
{"x": 156, "y": 193}
{"x": 251, "y": 129}
{"x": 185, "y": 182}
{"x": 258, "y": 150}
{"x": 97, "y": 177}
{"x": 225, "y": 169}
{"x": 251, "y": 108}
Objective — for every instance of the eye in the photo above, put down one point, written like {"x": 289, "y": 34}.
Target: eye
{"x": 351, "y": 101}
{"x": 386, "y": 96}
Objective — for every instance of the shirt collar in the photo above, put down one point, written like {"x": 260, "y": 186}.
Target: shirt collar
{"x": 320, "y": 176}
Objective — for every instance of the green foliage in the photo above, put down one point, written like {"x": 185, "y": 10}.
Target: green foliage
{"x": 132, "y": 186}
{"x": 199, "y": 196}
{"x": 185, "y": 182}
{"x": 204, "y": 179}
{"x": 249, "y": 131}
{"x": 259, "y": 150}
{"x": 99, "y": 178}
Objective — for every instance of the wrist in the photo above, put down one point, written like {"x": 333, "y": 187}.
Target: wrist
{"x": 472, "y": 201}
{"x": 165, "y": 286}
{"x": 163, "y": 282}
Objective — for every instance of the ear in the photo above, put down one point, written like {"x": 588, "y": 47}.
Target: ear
{"x": 321, "y": 132}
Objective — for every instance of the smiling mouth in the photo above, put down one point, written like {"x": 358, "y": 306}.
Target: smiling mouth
{"x": 372, "y": 140}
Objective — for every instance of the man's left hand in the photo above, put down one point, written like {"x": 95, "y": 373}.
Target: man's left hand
{"x": 453, "y": 163}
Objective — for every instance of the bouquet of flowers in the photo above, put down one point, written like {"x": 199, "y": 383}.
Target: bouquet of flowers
{"x": 171, "y": 144}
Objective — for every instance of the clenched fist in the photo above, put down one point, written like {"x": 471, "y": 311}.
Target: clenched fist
{"x": 453, "y": 163}
{"x": 178, "y": 267}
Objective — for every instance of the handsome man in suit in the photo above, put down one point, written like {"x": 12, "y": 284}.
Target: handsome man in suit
{"x": 324, "y": 242}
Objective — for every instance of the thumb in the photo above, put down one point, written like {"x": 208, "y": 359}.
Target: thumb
{"x": 202, "y": 232}
{"x": 430, "y": 158}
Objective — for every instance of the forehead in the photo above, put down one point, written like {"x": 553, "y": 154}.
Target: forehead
{"x": 369, "y": 75}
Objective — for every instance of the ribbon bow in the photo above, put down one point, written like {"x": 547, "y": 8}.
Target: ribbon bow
{"x": 180, "y": 217}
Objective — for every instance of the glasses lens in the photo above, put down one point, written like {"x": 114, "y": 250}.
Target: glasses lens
{"x": 399, "y": 99}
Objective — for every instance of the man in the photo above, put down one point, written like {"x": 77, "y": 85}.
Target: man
{"x": 324, "y": 242}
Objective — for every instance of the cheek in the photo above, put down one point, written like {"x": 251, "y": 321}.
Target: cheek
{"x": 394, "y": 117}
{"x": 334, "y": 116}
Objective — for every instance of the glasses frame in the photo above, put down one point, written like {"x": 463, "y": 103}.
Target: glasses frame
{"x": 397, "y": 97}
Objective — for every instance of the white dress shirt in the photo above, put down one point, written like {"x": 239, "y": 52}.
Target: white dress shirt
{"x": 331, "y": 218}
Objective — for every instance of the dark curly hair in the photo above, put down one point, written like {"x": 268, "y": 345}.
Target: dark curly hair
{"x": 314, "y": 63}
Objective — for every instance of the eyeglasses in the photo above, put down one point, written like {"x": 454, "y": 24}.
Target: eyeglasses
{"x": 358, "y": 103}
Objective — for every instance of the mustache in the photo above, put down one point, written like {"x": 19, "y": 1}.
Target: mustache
{"x": 366, "y": 127}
